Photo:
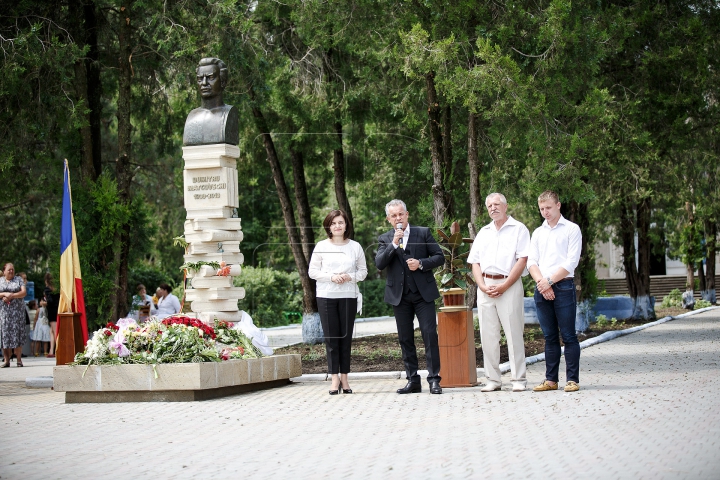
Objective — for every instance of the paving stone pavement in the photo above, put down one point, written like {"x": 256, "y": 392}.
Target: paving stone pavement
{"x": 648, "y": 408}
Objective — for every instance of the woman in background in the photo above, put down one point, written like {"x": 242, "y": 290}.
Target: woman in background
{"x": 42, "y": 333}
{"x": 52, "y": 300}
{"x": 12, "y": 315}
{"x": 142, "y": 299}
{"x": 338, "y": 264}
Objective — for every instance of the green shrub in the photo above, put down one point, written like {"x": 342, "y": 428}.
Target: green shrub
{"x": 272, "y": 297}
{"x": 149, "y": 276}
{"x": 373, "y": 292}
{"x": 528, "y": 285}
{"x": 602, "y": 321}
{"x": 672, "y": 299}
{"x": 702, "y": 304}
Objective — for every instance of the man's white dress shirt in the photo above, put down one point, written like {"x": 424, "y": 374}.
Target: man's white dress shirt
{"x": 556, "y": 247}
{"x": 497, "y": 251}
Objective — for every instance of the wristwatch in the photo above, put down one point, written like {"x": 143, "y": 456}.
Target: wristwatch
{"x": 420, "y": 262}
{"x": 550, "y": 282}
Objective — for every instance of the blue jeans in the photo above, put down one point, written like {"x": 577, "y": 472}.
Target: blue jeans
{"x": 557, "y": 317}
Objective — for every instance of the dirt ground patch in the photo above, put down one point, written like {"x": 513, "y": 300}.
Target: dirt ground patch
{"x": 381, "y": 353}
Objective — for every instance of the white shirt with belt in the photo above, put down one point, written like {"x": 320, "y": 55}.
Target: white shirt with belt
{"x": 497, "y": 251}
{"x": 554, "y": 247}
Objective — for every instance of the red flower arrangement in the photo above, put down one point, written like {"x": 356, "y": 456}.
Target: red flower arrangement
{"x": 191, "y": 322}
{"x": 227, "y": 352}
{"x": 222, "y": 324}
{"x": 112, "y": 326}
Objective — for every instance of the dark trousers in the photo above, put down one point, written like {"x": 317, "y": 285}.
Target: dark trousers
{"x": 557, "y": 318}
{"x": 411, "y": 305}
{"x": 337, "y": 316}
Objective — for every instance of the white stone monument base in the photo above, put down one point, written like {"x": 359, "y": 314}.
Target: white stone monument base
{"x": 175, "y": 382}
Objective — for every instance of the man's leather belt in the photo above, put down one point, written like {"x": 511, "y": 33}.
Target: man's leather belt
{"x": 494, "y": 277}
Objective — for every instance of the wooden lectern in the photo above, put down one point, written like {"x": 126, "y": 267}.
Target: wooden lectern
{"x": 70, "y": 338}
{"x": 456, "y": 339}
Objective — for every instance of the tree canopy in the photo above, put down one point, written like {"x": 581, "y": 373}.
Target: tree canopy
{"x": 349, "y": 104}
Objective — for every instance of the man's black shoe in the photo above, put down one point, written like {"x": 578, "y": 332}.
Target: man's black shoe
{"x": 410, "y": 388}
{"x": 435, "y": 387}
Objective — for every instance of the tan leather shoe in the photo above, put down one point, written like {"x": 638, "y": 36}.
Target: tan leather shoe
{"x": 545, "y": 387}
{"x": 572, "y": 387}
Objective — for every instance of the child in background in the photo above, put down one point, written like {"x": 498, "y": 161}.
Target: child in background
{"x": 42, "y": 331}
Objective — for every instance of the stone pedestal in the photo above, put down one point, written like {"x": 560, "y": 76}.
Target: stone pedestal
{"x": 173, "y": 382}
{"x": 212, "y": 230}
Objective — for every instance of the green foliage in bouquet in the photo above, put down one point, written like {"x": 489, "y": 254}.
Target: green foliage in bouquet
{"x": 176, "y": 339}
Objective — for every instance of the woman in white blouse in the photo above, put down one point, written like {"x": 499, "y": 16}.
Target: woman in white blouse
{"x": 338, "y": 264}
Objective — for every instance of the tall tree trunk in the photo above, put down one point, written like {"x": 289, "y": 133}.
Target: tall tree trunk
{"x": 643, "y": 308}
{"x": 637, "y": 276}
{"x": 303, "y": 204}
{"x": 627, "y": 236}
{"x": 447, "y": 160}
{"x": 436, "y": 151}
{"x": 339, "y": 167}
{"x": 585, "y": 279}
{"x": 83, "y": 24}
{"x": 711, "y": 246}
{"x": 94, "y": 86}
{"x": 309, "y": 296}
{"x": 123, "y": 171}
{"x": 474, "y": 170}
{"x": 689, "y": 264}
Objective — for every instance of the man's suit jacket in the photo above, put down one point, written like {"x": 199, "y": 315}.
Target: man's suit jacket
{"x": 422, "y": 246}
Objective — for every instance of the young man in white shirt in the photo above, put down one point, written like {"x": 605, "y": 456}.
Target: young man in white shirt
{"x": 554, "y": 255}
{"x": 498, "y": 257}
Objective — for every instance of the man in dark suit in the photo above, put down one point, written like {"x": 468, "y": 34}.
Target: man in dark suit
{"x": 410, "y": 253}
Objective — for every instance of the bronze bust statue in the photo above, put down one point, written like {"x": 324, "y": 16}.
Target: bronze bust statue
{"x": 213, "y": 121}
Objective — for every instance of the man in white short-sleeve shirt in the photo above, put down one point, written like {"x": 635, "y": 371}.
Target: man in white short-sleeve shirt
{"x": 498, "y": 257}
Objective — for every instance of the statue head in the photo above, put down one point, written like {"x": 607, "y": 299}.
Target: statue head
{"x": 212, "y": 75}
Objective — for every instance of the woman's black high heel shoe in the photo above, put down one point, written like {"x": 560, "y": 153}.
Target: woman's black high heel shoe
{"x": 347, "y": 390}
{"x": 335, "y": 392}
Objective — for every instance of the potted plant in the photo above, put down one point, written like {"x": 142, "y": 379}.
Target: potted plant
{"x": 455, "y": 276}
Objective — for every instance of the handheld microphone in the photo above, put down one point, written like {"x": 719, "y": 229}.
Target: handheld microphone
{"x": 399, "y": 227}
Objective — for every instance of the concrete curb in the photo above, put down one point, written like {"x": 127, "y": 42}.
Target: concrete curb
{"x": 505, "y": 367}
{"x": 39, "y": 382}
{"x": 299, "y": 325}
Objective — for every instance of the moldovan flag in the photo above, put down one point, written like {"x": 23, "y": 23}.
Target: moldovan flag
{"x": 71, "y": 291}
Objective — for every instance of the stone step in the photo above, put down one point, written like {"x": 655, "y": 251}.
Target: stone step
{"x": 208, "y": 294}
{"x": 212, "y": 282}
{"x": 231, "y": 224}
{"x": 213, "y": 247}
{"x": 195, "y": 236}
{"x": 206, "y": 156}
{"x": 207, "y": 271}
{"x": 209, "y": 317}
{"x": 214, "y": 306}
{"x": 228, "y": 258}
{"x": 210, "y": 213}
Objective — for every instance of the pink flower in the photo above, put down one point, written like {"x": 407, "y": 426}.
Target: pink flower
{"x": 118, "y": 343}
